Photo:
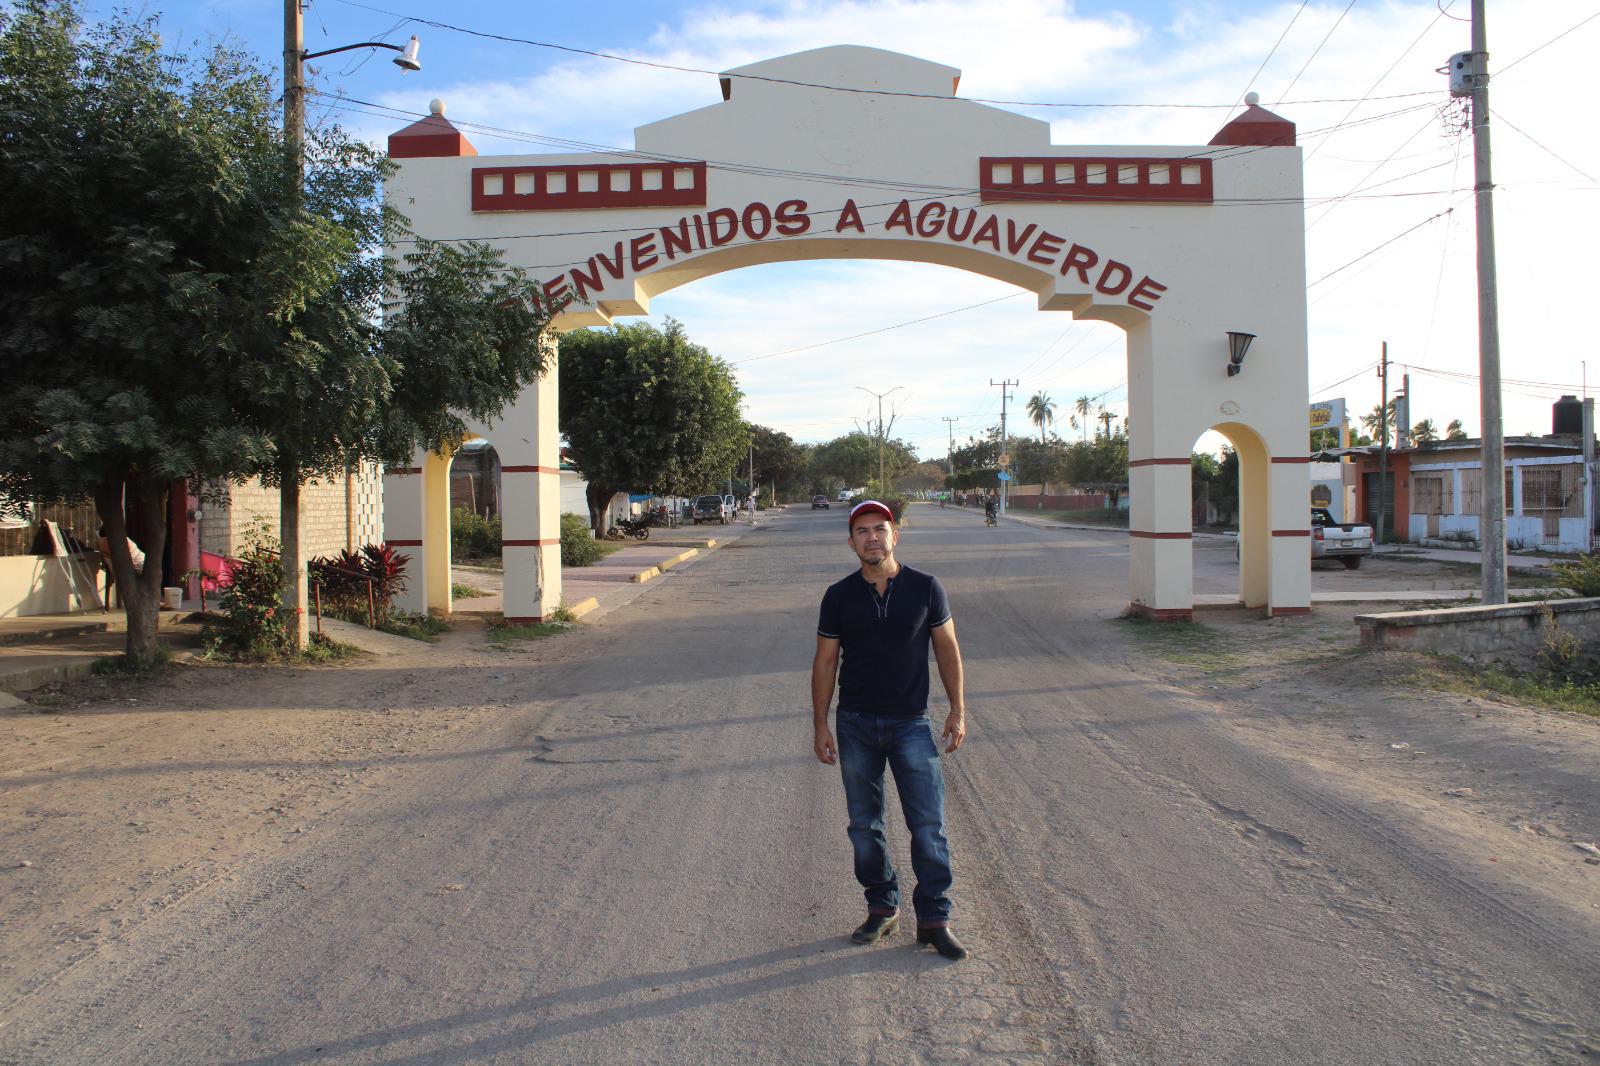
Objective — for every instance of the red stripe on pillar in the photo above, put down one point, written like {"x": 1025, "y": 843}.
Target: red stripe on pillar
{"x": 529, "y": 470}
{"x": 1291, "y": 458}
{"x": 1159, "y": 462}
{"x": 1291, "y": 532}
{"x": 529, "y": 543}
{"x": 404, "y": 543}
{"x": 524, "y": 619}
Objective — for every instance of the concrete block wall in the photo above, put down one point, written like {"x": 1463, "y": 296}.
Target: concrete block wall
{"x": 333, "y": 515}
{"x": 1512, "y": 633}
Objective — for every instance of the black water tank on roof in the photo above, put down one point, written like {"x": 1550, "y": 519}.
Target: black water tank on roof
{"x": 1567, "y": 416}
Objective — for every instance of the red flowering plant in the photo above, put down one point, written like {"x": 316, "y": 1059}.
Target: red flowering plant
{"x": 251, "y": 623}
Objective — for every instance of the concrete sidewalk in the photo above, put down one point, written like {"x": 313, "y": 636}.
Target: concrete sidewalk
{"x": 39, "y": 650}
{"x": 618, "y": 578}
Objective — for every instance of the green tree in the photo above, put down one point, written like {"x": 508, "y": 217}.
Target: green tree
{"x": 1380, "y": 422}
{"x": 646, "y": 409}
{"x": 1041, "y": 411}
{"x": 1424, "y": 432}
{"x": 1082, "y": 406}
{"x": 143, "y": 239}
{"x": 851, "y": 461}
{"x": 977, "y": 462}
{"x": 1454, "y": 430}
{"x": 1100, "y": 465}
{"x": 780, "y": 461}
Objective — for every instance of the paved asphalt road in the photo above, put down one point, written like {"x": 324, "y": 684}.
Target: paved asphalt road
{"x": 646, "y": 864}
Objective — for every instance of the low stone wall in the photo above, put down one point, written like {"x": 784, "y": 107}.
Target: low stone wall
{"x": 1514, "y": 631}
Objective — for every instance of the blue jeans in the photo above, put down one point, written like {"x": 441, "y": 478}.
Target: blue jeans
{"x": 866, "y": 743}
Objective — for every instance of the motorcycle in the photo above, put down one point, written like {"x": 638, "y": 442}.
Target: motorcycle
{"x": 627, "y": 527}
{"x": 989, "y": 518}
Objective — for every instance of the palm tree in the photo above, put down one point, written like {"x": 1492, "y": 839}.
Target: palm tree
{"x": 1041, "y": 411}
{"x": 1083, "y": 405}
{"x": 1455, "y": 431}
{"x": 1424, "y": 432}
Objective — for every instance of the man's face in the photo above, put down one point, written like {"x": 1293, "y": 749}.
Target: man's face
{"x": 872, "y": 536}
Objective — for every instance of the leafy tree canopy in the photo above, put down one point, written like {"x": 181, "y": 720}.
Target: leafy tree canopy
{"x": 851, "y": 461}
{"x": 646, "y": 409}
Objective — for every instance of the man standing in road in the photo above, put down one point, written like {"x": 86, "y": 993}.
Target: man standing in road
{"x": 883, "y": 617}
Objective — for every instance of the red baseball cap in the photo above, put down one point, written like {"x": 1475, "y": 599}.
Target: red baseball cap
{"x": 866, "y": 506}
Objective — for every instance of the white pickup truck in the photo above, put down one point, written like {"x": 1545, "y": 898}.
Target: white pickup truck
{"x": 1347, "y": 542}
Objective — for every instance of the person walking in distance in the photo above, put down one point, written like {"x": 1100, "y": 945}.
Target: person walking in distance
{"x": 883, "y": 617}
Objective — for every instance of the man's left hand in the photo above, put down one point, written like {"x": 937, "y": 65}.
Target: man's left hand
{"x": 955, "y": 731}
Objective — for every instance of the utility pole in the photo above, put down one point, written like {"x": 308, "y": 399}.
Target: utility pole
{"x": 1004, "y": 386}
{"x": 1492, "y": 522}
{"x": 950, "y": 452}
{"x": 295, "y": 582}
{"x": 880, "y": 396}
{"x": 1383, "y": 442}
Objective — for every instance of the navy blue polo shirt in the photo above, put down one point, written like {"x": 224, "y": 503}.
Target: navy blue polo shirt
{"x": 885, "y": 640}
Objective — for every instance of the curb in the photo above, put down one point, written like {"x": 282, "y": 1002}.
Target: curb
{"x": 641, "y": 576}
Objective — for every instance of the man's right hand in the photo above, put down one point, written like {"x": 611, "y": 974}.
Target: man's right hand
{"x": 827, "y": 751}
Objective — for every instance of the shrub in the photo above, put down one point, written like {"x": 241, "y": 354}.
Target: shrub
{"x": 1582, "y": 575}
{"x": 252, "y": 625}
{"x": 344, "y": 577}
{"x": 474, "y": 537}
{"x": 578, "y": 546}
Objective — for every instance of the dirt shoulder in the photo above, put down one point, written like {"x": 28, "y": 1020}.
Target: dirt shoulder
{"x": 1485, "y": 779}
{"x": 120, "y": 798}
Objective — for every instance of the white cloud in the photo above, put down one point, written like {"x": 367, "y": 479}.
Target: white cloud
{"x": 1418, "y": 293}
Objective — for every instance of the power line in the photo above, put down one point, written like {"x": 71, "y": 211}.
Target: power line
{"x": 1315, "y": 51}
{"x": 1272, "y": 51}
{"x": 1547, "y": 44}
{"x": 1547, "y": 151}
{"x": 1380, "y": 247}
{"x": 672, "y": 67}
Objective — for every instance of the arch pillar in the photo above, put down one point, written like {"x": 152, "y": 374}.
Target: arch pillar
{"x": 529, "y": 443}
{"x": 1288, "y": 503}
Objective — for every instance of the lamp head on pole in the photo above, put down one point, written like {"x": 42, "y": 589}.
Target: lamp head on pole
{"x": 1238, "y": 344}
{"x": 407, "y": 59}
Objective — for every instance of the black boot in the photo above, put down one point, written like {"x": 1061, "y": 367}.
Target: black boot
{"x": 943, "y": 942}
{"x": 875, "y": 928}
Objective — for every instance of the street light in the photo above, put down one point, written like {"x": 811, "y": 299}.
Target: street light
{"x": 294, "y": 136}
{"x": 880, "y": 396}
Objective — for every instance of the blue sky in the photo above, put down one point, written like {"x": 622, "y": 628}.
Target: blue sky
{"x": 1386, "y": 156}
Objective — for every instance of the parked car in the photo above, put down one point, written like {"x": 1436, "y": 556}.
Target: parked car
{"x": 1348, "y": 542}
{"x": 711, "y": 509}
{"x": 819, "y": 500}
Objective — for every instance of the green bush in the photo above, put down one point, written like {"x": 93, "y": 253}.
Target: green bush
{"x": 252, "y": 625}
{"x": 472, "y": 536}
{"x": 578, "y": 546}
{"x": 343, "y": 579}
{"x": 1582, "y": 575}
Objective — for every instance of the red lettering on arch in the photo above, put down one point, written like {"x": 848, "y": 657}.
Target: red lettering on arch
{"x": 900, "y": 217}
{"x": 1046, "y": 246}
{"x": 1109, "y": 287}
{"x": 757, "y": 216}
{"x": 1080, "y": 259}
{"x": 849, "y": 216}
{"x": 954, "y": 230}
{"x": 792, "y": 218}
{"x": 923, "y": 226}
{"x": 1148, "y": 289}
{"x": 555, "y": 291}
{"x": 722, "y": 214}
{"x": 613, "y": 263}
{"x": 674, "y": 241}
{"x": 583, "y": 282}
{"x": 641, "y": 252}
{"x": 989, "y": 231}
{"x": 1015, "y": 243}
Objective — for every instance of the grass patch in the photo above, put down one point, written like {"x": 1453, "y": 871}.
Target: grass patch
{"x": 1189, "y": 643}
{"x": 425, "y": 627}
{"x": 126, "y": 668}
{"x": 560, "y": 620}
{"x": 1579, "y": 697}
{"x": 466, "y": 592}
{"x": 1107, "y": 518}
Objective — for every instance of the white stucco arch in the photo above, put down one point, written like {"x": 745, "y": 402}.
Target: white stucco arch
{"x": 857, "y": 153}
